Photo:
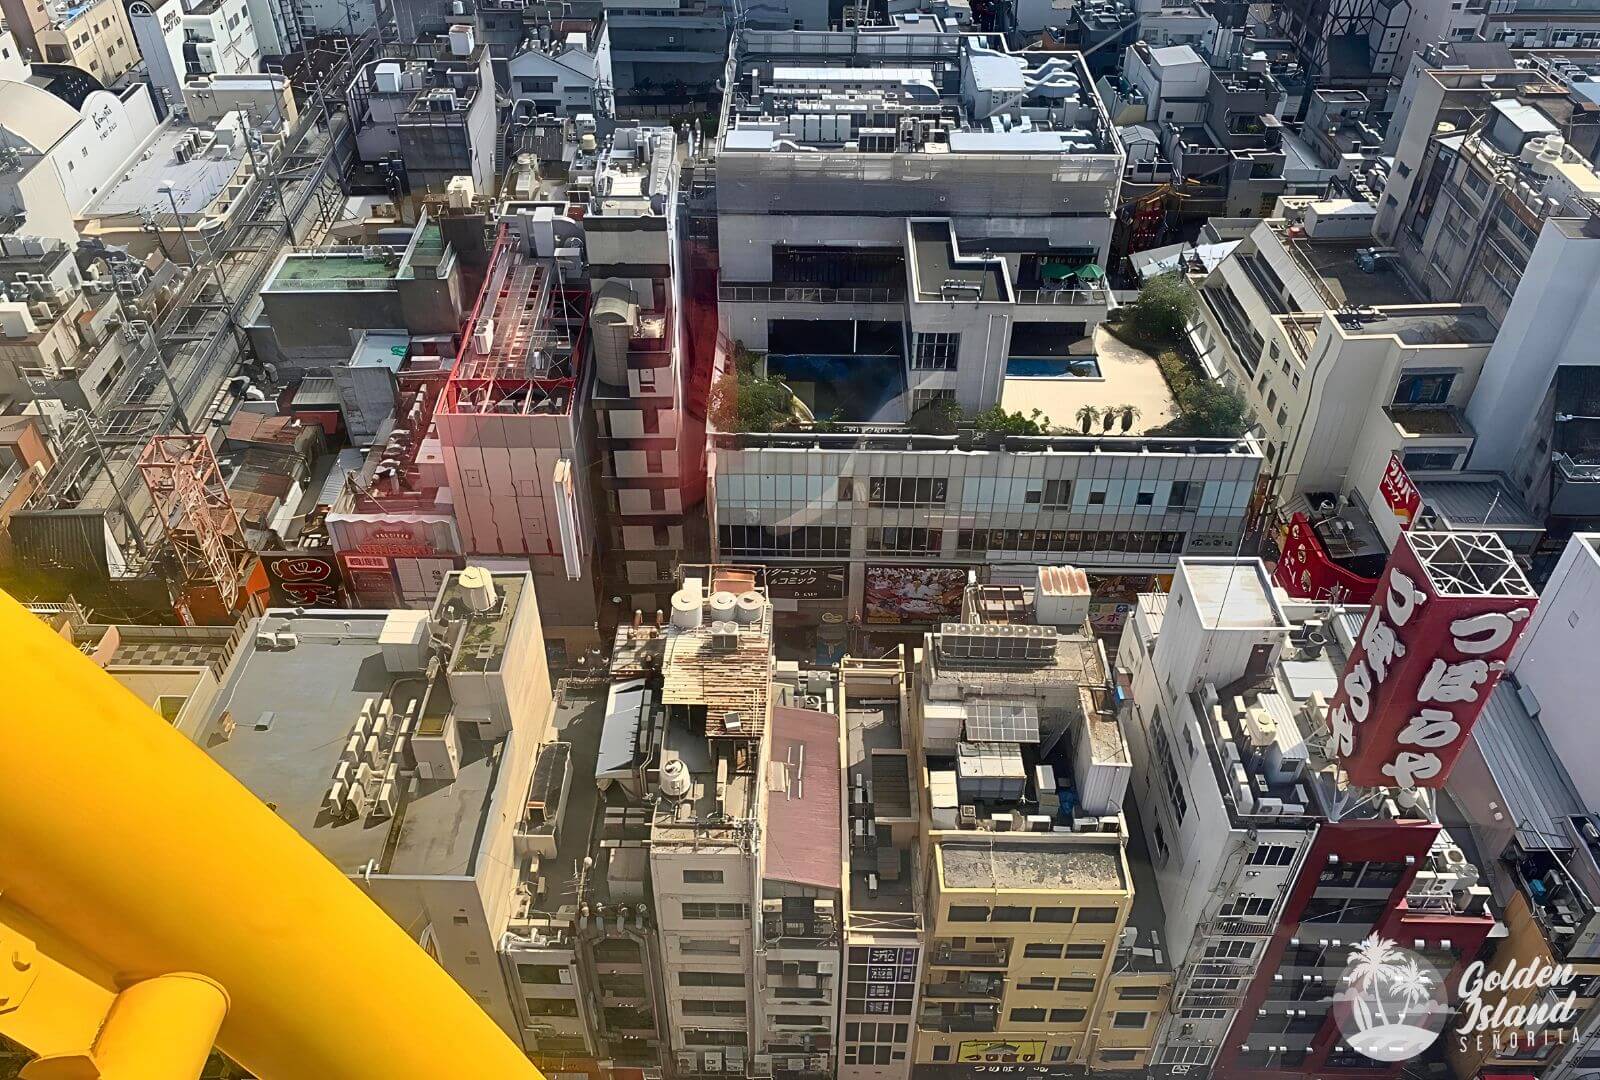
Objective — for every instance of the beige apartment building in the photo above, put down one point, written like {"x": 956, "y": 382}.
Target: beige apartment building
{"x": 705, "y": 849}
{"x": 95, "y": 35}
{"x": 1042, "y": 947}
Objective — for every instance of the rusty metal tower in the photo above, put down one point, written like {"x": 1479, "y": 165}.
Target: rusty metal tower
{"x": 192, "y": 502}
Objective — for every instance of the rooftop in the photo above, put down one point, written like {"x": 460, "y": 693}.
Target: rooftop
{"x": 855, "y": 91}
{"x": 1032, "y": 867}
{"x": 634, "y": 174}
{"x": 1232, "y": 594}
{"x": 804, "y": 799}
{"x": 482, "y": 635}
{"x": 1432, "y": 324}
{"x": 883, "y": 872}
{"x": 291, "y": 712}
{"x": 523, "y": 344}
{"x": 1331, "y": 265}
{"x": 335, "y": 269}
{"x": 726, "y": 672}
{"x": 1121, "y": 375}
{"x": 1486, "y": 502}
{"x": 941, "y": 271}
{"x": 199, "y": 170}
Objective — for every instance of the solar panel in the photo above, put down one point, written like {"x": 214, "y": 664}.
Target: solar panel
{"x": 1008, "y": 720}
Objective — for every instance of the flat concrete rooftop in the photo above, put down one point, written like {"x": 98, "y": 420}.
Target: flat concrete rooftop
{"x": 945, "y": 273}
{"x": 313, "y": 693}
{"x": 196, "y": 182}
{"x": 1334, "y": 263}
{"x": 1231, "y": 594}
{"x": 1469, "y": 327}
{"x": 1033, "y": 867}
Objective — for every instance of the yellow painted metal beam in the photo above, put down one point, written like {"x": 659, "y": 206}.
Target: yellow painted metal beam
{"x": 129, "y": 855}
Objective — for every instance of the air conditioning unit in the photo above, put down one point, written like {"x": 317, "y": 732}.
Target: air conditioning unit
{"x": 688, "y": 1063}
{"x": 713, "y": 1060}
{"x": 384, "y": 806}
{"x": 356, "y": 802}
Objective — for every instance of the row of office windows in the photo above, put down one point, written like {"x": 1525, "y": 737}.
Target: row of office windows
{"x": 827, "y": 541}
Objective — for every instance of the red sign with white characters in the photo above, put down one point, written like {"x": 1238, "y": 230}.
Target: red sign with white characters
{"x": 1399, "y": 493}
{"x": 303, "y": 579}
{"x": 1447, "y": 613}
{"x": 1306, "y": 570}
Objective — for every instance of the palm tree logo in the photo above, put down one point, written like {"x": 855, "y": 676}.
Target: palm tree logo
{"x": 1392, "y": 1005}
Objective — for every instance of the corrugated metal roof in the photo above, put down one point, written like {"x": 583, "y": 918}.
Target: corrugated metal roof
{"x": 1535, "y": 788}
{"x": 619, "y": 737}
{"x": 71, "y": 539}
{"x": 349, "y": 461}
{"x": 1485, "y": 505}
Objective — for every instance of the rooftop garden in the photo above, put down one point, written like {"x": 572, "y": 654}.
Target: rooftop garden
{"x": 1155, "y": 323}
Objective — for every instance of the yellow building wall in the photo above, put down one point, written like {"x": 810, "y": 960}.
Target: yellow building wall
{"x": 1524, "y": 944}
{"x": 1063, "y": 1040}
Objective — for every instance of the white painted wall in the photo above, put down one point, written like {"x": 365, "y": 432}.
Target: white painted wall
{"x": 1554, "y": 319}
{"x": 98, "y": 147}
{"x": 1555, "y": 659}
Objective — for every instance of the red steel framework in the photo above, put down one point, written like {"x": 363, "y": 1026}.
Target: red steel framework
{"x": 192, "y": 501}
{"x": 533, "y": 323}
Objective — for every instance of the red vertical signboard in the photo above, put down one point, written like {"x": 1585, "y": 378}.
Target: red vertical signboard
{"x": 1446, "y": 615}
{"x": 1400, "y": 495}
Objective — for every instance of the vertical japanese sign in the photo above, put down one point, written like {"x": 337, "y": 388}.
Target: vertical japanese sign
{"x": 1446, "y": 615}
{"x": 1399, "y": 493}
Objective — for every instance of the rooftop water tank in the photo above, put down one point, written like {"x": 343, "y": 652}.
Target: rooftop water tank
{"x": 477, "y": 588}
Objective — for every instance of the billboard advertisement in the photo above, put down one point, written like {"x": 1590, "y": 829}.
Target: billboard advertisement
{"x": 988, "y": 1052}
{"x": 1399, "y": 494}
{"x": 807, "y": 582}
{"x": 1305, "y": 569}
{"x": 307, "y": 579}
{"x": 914, "y": 594}
{"x": 371, "y": 580}
{"x": 1112, "y": 597}
{"x": 1447, "y": 613}
{"x": 399, "y": 559}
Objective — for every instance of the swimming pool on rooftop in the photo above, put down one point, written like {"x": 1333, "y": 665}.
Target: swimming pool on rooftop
{"x": 1053, "y": 367}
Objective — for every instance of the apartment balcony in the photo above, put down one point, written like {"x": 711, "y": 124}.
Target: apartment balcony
{"x": 967, "y": 988}
{"x": 1095, "y": 297}
{"x": 819, "y": 992}
{"x": 1431, "y": 422}
{"x": 970, "y": 958}
{"x": 1230, "y": 926}
{"x": 982, "y": 1019}
{"x": 820, "y": 931}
